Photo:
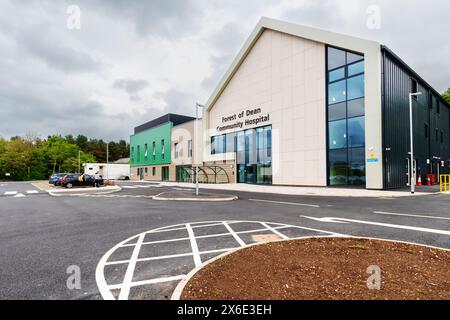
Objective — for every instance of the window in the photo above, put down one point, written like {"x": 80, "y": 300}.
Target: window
{"x": 355, "y": 108}
{"x": 336, "y": 92}
{"x": 176, "y": 150}
{"x": 338, "y": 134}
{"x": 132, "y": 155}
{"x": 336, "y": 58}
{"x": 146, "y": 171}
{"x": 190, "y": 148}
{"x": 346, "y": 118}
{"x": 337, "y": 74}
{"x": 356, "y": 132}
{"x": 426, "y": 130}
{"x": 355, "y": 68}
{"x": 414, "y": 87}
{"x": 138, "y": 154}
{"x": 154, "y": 151}
{"x": 355, "y": 87}
{"x": 353, "y": 57}
{"x": 230, "y": 142}
{"x": 337, "y": 111}
{"x": 162, "y": 149}
{"x": 146, "y": 152}
{"x": 218, "y": 144}
{"x": 153, "y": 171}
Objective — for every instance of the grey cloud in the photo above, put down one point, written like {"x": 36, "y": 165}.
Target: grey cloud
{"x": 54, "y": 53}
{"x": 177, "y": 101}
{"x": 130, "y": 85}
{"x": 159, "y": 18}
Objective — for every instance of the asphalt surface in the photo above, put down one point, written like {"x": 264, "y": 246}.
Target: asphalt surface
{"x": 41, "y": 236}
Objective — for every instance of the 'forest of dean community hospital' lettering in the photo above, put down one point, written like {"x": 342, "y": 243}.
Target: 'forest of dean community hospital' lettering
{"x": 240, "y": 123}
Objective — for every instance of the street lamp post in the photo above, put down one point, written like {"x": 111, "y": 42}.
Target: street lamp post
{"x": 79, "y": 161}
{"x": 411, "y": 133}
{"x": 107, "y": 160}
{"x": 197, "y": 105}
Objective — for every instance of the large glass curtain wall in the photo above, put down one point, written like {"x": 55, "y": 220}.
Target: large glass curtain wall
{"x": 346, "y": 129}
{"x": 253, "y": 148}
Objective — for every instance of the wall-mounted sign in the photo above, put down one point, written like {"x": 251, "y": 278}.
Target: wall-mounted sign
{"x": 246, "y": 118}
{"x": 372, "y": 160}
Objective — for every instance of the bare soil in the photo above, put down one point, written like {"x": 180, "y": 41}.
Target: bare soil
{"x": 324, "y": 269}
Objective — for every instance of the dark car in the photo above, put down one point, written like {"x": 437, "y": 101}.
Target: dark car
{"x": 78, "y": 180}
{"x": 54, "y": 178}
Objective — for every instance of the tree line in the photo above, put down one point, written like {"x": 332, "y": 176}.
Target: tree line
{"x": 33, "y": 158}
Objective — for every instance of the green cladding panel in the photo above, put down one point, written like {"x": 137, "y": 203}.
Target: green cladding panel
{"x": 157, "y": 136}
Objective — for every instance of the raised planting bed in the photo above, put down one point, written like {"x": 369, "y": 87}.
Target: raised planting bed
{"x": 325, "y": 268}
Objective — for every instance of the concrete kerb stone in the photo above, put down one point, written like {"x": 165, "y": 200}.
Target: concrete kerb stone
{"x": 84, "y": 191}
{"x": 176, "y": 295}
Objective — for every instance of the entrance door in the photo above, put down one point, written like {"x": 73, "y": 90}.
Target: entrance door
{"x": 165, "y": 174}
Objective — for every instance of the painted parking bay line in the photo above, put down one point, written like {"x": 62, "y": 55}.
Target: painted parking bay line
{"x": 10, "y": 193}
{"x": 32, "y": 191}
{"x": 410, "y": 215}
{"x": 389, "y": 225}
{"x": 288, "y": 203}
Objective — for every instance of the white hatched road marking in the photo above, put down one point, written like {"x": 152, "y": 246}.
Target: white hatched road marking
{"x": 125, "y": 291}
{"x": 235, "y": 236}
{"x": 127, "y": 283}
{"x": 274, "y": 231}
{"x": 410, "y": 215}
{"x": 145, "y": 282}
{"x": 19, "y": 195}
{"x": 197, "y": 259}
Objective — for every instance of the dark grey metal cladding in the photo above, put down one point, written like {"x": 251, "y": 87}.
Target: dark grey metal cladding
{"x": 396, "y": 86}
{"x": 176, "y": 119}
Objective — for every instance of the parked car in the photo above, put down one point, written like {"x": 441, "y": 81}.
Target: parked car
{"x": 54, "y": 178}
{"x": 78, "y": 180}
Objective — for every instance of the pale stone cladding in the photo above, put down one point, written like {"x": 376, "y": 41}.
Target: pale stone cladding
{"x": 284, "y": 76}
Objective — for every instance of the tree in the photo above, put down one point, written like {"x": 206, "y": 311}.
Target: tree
{"x": 446, "y": 96}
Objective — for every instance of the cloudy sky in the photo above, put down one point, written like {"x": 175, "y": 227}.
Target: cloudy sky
{"x": 134, "y": 60}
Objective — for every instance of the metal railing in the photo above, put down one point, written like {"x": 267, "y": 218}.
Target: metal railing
{"x": 444, "y": 182}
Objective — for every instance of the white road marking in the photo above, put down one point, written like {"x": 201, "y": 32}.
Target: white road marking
{"x": 129, "y": 187}
{"x": 411, "y": 215}
{"x": 10, "y": 193}
{"x": 289, "y": 203}
{"x": 151, "y": 281}
{"x": 105, "y": 289}
{"x": 32, "y": 191}
{"x": 235, "y": 236}
{"x": 197, "y": 259}
{"x": 282, "y": 236}
{"x": 128, "y": 279}
{"x": 20, "y": 195}
{"x": 389, "y": 225}
{"x": 170, "y": 256}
